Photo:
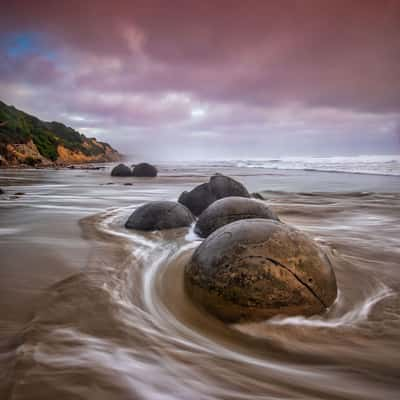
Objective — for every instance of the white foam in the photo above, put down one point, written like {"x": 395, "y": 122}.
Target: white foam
{"x": 192, "y": 236}
{"x": 374, "y": 165}
{"x": 356, "y": 315}
{"x": 10, "y": 231}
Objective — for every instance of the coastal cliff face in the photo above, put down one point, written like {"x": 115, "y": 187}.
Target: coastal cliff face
{"x": 26, "y": 140}
{"x": 22, "y": 153}
{"x": 103, "y": 153}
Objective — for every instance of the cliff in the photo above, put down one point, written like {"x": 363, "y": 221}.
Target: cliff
{"x": 25, "y": 139}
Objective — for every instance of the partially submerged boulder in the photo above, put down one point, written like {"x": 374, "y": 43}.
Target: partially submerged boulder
{"x": 230, "y": 209}
{"x": 145, "y": 170}
{"x": 255, "y": 269}
{"x": 159, "y": 215}
{"x": 218, "y": 187}
{"x": 121, "y": 170}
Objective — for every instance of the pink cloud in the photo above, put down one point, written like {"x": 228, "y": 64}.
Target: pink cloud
{"x": 245, "y": 62}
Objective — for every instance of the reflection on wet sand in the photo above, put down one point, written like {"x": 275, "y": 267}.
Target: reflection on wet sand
{"x": 91, "y": 310}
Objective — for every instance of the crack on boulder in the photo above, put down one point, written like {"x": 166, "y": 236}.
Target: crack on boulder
{"x": 294, "y": 275}
{"x": 297, "y": 278}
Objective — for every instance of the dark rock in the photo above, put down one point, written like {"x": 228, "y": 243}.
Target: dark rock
{"x": 145, "y": 170}
{"x": 19, "y": 194}
{"x": 257, "y": 196}
{"x": 159, "y": 215}
{"x": 128, "y": 184}
{"x": 224, "y": 186}
{"x": 198, "y": 199}
{"x": 230, "y": 209}
{"x": 121, "y": 170}
{"x": 255, "y": 269}
{"x": 2, "y": 191}
{"x": 218, "y": 187}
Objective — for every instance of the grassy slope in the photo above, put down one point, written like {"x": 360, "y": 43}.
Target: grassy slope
{"x": 19, "y": 127}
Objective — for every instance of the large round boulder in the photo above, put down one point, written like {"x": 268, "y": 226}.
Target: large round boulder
{"x": 159, "y": 215}
{"x": 224, "y": 186}
{"x": 198, "y": 199}
{"x": 255, "y": 269}
{"x": 145, "y": 170}
{"x": 230, "y": 209}
{"x": 121, "y": 170}
{"x": 218, "y": 187}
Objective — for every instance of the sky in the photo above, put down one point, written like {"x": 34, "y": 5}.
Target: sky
{"x": 218, "y": 79}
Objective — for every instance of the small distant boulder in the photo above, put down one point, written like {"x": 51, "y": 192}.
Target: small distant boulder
{"x": 230, "y": 209}
{"x": 145, "y": 170}
{"x": 121, "y": 170}
{"x": 218, "y": 187}
{"x": 255, "y": 269}
{"x": 159, "y": 215}
{"x": 2, "y": 191}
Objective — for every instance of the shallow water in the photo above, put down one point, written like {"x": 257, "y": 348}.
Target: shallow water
{"x": 91, "y": 310}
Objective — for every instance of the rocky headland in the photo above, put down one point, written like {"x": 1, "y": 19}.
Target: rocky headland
{"x": 25, "y": 140}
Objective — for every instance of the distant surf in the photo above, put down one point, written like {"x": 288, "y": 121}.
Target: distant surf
{"x": 376, "y": 165}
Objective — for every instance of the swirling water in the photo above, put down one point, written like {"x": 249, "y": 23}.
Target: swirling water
{"x": 91, "y": 310}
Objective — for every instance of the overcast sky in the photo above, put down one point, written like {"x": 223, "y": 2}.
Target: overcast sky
{"x": 203, "y": 79}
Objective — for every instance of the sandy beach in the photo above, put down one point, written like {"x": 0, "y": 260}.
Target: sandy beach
{"x": 89, "y": 309}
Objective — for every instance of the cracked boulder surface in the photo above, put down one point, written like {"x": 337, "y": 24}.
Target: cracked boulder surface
{"x": 159, "y": 215}
{"x": 230, "y": 209}
{"x": 218, "y": 187}
{"x": 254, "y": 269}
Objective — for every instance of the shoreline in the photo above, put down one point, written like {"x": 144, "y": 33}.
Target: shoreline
{"x": 57, "y": 167}
{"x": 94, "y": 165}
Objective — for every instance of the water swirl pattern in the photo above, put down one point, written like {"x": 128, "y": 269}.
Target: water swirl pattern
{"x": 92, "y": 310}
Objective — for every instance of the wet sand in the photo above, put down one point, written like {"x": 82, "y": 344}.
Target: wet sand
{"x": 90, "y": 310}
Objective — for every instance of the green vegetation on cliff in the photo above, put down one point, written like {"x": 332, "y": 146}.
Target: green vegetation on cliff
{"x": 18, "y": 127}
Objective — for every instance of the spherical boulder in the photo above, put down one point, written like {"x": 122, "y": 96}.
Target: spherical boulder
{"x": 159, "y": 215}
{"x": 121, "y": 170}
{"x": 198, "y": 199}
{"x": 230, "y": 209}
{"x": 145, "y": 170}
{"x": 218, "y": 187}
{"x": 224, "y": 186}
{"x": 254, "y": 269}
